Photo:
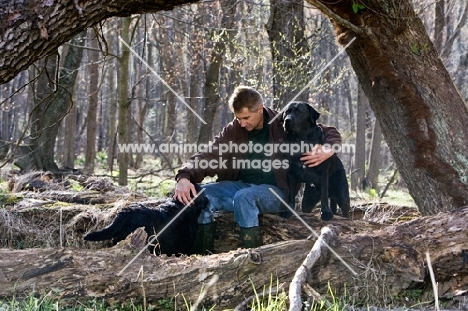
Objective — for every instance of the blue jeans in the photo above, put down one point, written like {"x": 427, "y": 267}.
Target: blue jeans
{"x": 246, "y": 201}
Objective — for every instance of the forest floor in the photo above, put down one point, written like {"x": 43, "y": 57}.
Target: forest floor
{"x": 39, "y": 210}
{"x": 75, "y": 194}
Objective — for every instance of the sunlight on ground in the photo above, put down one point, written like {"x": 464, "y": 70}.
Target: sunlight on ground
{"x": 395, "y": 196}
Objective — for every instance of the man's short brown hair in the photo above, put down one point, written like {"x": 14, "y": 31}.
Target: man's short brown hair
{"x": 245, "y": 97}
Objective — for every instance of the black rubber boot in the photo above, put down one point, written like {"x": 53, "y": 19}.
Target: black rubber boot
{"x": 204, "y": 243}
{"x": 251, "y": 237}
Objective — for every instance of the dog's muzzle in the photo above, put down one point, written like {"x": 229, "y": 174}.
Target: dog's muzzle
{"x": 288, "y": 124}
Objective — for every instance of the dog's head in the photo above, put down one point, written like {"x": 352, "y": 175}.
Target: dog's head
{"x": 298, "y": 117}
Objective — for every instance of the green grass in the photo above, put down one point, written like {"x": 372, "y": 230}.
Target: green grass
{"x": 47, "y": 303}
{"x": 393, "y": 196}
{"x": 398, "y": 197}
{"x": 271, "y": 298}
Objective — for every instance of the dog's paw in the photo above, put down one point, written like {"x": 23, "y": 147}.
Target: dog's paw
{"x": 326, "y": 216}
{"x": 285, "y": 214}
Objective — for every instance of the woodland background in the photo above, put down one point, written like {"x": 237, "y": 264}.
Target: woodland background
{"x": 67, "y": 111}
{"x": 203, "y": 51}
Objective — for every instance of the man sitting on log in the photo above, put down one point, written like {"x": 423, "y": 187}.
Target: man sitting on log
{"x": 243, "y": 158}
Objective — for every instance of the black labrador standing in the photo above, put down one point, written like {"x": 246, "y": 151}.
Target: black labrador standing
{"x": 178, "y": 238}
{"x": 327, "y": 180}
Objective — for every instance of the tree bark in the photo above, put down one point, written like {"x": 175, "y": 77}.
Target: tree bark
{"x": 44, "y": 118}
{"x": 44, "y": 27}
{"x": 196, "y": 89}
{"x": 67, "y": 156}
{"x": 421, "y": 112}
{"x": 93, "y": 102}
{"x": 141, "y": 96}
{"x": 373, "y": 171}
{"x": 359, "y": 163}
{"x": 123, "y": 101}
{"x": 386, "y": 262}
{"x": 52, "y": 102}
{"x": 111, "y": 115}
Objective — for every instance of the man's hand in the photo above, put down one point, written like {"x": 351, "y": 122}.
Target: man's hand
{"x": 316, "y": 156}
{"x": 184, "y": 191}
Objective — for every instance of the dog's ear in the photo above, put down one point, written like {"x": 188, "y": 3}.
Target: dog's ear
{"x": 314, "y": 114}
{"x": 281, "y": 116}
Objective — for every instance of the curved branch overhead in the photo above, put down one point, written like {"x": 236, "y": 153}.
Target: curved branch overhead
{"x": 31, "y": 30}
{"x": 338, "y": 19}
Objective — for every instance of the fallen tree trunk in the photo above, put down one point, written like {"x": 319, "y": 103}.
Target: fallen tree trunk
{"x": 382, "y": 264}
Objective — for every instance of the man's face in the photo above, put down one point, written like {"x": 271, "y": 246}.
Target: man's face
{"x": 250, "y": 120}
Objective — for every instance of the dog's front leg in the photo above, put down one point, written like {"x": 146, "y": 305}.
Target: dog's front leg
{"x": 310, "y": 198}
{"x": 292, "y": 183}
{"x": 326, "y": 213}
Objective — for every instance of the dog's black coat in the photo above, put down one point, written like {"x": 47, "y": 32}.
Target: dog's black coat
{"x": 327, "y": 180}
{"x": 178, "y": 238}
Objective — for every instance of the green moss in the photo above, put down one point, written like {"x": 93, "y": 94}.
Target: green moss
{"x": 76, "y": 186}
{"x": 9, "y": 199}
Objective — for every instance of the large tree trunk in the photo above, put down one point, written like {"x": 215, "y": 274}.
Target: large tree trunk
{"x": 421, "y": 112}
{"x": 372, "y": 267}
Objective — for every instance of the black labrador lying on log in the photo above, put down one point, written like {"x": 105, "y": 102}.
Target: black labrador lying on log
{"x": 178, "y": 238}
{"x": 327, "y": 180}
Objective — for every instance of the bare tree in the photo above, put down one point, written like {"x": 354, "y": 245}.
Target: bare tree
{"x": 372, "y": 176}
{"x": 52, "y": 100}
{"x": 123, "y": 100}
{"x": 289, "y": 50}
{"x": 91, "y": 116}
{"x": 213, "y": 71}
{"x": 359, "y": 164}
